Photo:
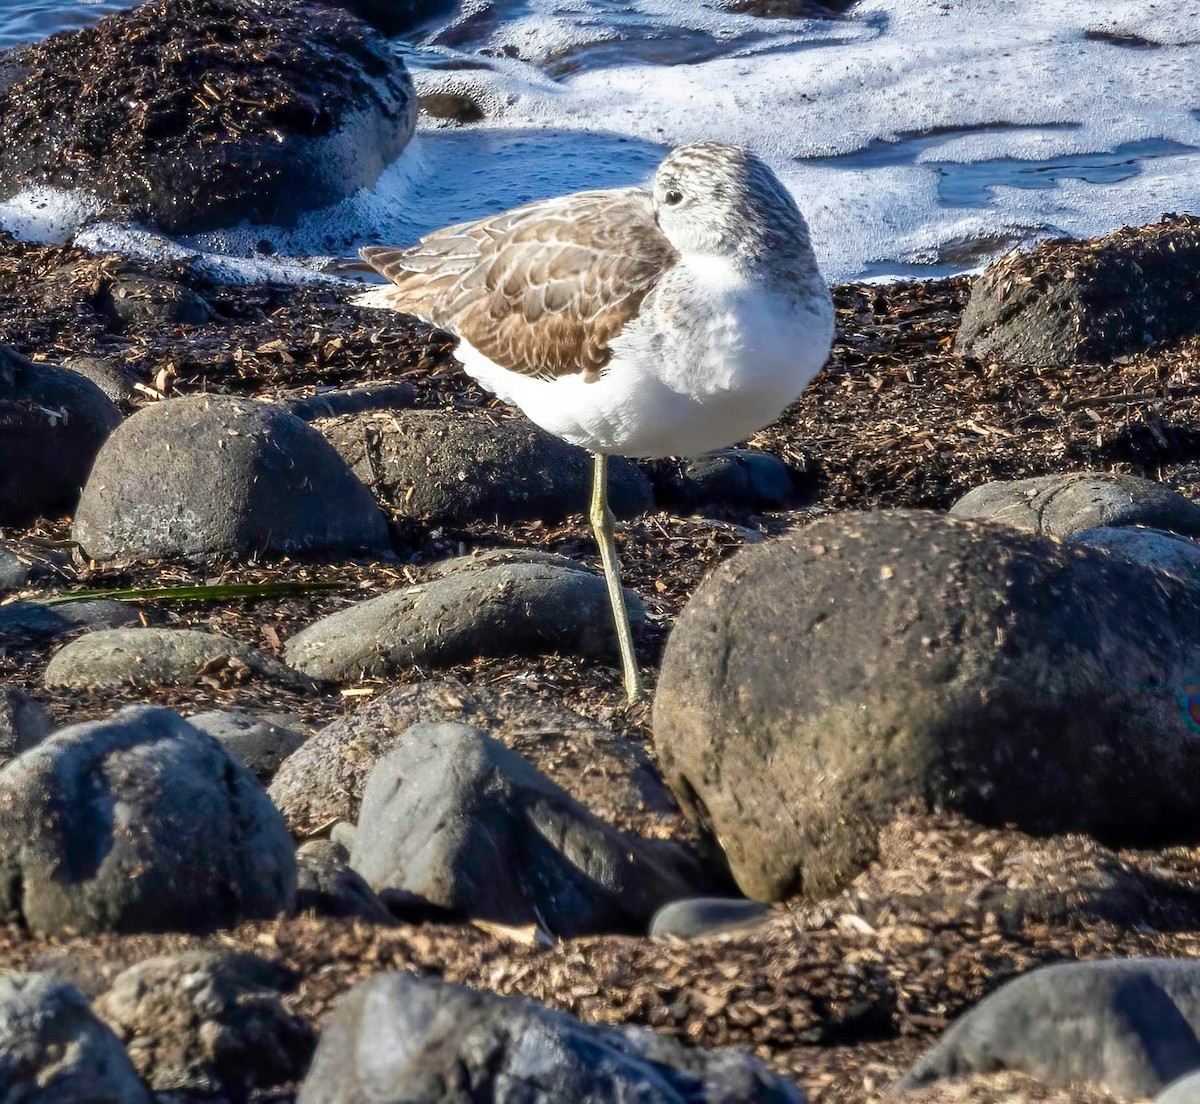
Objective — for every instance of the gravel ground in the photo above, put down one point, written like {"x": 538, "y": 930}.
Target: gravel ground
{"x": 842, "y": 995}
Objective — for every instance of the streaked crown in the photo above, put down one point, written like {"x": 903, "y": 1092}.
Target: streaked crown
{"x": 711, "y": 198}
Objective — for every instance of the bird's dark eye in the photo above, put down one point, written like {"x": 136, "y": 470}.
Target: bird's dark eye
{"x": 673, "y": 197}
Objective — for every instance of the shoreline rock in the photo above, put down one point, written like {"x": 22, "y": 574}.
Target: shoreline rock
{"x": 1071, "y": 301}
{"x": 138, "y": 823}
{"x": 54, "y": 1048}
{"x": 502, "y": 610}
{"x": 815, "y": 684}
{"x": 198, "y": 114}
{"x": 208, "y": 476}
{"x": 1067, "y": 503}
{"x": 1125, "y": 1025}
{"x": 505, "y": 1049}
{"x": 53, "y": 422}
{"x": 210, "y": 1023}
{"x": 454, "y": 817}
{"x": 451, "y": 468}
{"x": 145, "y": 658}
{"x": 323, "y": 781}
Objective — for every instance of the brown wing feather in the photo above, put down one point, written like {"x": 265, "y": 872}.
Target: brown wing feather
{"x": 542, "y": 289}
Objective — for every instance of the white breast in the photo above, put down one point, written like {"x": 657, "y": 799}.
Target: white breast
{"x": 716, "y": 358}
{"x": 731, "y": 353}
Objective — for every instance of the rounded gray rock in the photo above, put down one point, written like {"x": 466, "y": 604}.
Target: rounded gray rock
{"x": 140, "y": 302}
{"x": 1128, "y": 1026}
{"x": 53, "y": 1050}
{"x": 161, "y": 657}
{"x": 1071, "y": 502}
{"x": 350, "y": 400}
{"x": 107, "y": 373}
{"x": 327, "y": 886}
{"x": 456, "y": 818}
{"x": 704, "y": 917}
{"x": 324, "y": 780}
{"x": 815, "y": 683}
{"x": 1154, "y": 548}
{"x": 259, "y": 742}
{"x": 342, "y": 835}
{"x": 1185, "y": 1090}
{"x": 449, "y": 468}
{"x": 210, "y": 475}
{"x": 497, "y": 557}
{"x": 509, "y": 609}
{"x": 24, "y": 722}
{"x": 14, "y": 571}
{"x": 138, "y": 823}
{"x": 208, "y": 1022}
{"x": 43, "y": 621}
{"x": 22, "y": 563}
{"x": 401, "y": 1037}
{"x": 740, "y": 477}
{"x": 52, "y": 425}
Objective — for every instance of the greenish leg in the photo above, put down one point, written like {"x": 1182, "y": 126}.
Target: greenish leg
{"x": 602, "y": 525}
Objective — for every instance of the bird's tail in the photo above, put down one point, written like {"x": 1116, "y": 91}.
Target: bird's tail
{"x": 380, "y": 297}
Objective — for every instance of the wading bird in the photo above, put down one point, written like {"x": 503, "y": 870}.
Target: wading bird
{"x": 666, "y": 321}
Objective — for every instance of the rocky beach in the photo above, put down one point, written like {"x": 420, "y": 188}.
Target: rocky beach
{"x": 317, "y": 774}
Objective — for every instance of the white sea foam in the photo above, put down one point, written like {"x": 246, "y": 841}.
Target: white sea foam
{"x": 918, "y": 135}
{"x": 219, "y": 266}
{"x": 46, "y": 214}
{"x": 984, "y": 97}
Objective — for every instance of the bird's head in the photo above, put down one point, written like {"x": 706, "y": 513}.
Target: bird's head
{"x": 718, "y": 200}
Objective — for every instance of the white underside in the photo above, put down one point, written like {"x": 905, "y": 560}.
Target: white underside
{"x": 672, "y": 391}
{"x": 742, "y": 355}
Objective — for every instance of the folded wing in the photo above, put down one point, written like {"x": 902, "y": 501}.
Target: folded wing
{"x": 542, "y": 289}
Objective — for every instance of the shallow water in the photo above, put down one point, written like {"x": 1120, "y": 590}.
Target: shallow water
{"x": 30, "y": 20}
{"x": 920, "y": 137}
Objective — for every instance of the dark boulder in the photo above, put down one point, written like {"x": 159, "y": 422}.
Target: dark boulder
{"x": 1072, "y": 301}
{"x": 110, "y": 374}
{"x": 1128, "y": 1026}
{"x": 43, "y": 621}
{"x": 449, "y": 468}
{"x": 24, "y": 722}
{"x": 148, "y": 303}
{"x": 323, "y": 781}
{"x": 458, "y": 1044}
{"x": 817, "y": 683}
{"x": 138, "y": 823}
{"x": 196, "y": 114}
{"x": 211, "y": 475}
{"x": 395, "y": 17}
{"x": 743, "y": 478}
{"x": 348, "y": 400}
{"x": 53, "y": 1050}
{"x": 209, "y": 1022}
{"x": 260, "y": 742}
{"x": 15, "y": 572}
{"x": 326, "y": 886}
{"x": 52, "y": 424}
{"x": 459, "y": 820}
